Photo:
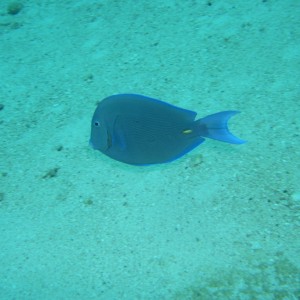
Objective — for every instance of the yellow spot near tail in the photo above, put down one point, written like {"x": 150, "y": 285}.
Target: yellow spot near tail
{"x": 187, "y": 131}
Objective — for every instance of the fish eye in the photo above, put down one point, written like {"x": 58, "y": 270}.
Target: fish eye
{"x": 97, "y": 123}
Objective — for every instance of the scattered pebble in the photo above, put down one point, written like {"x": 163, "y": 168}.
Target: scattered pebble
{"x": 59, "y": 148}
{"x": 14, "y": 8}
{"x": 88, "y": 201}
{"x": 51, "y": 173}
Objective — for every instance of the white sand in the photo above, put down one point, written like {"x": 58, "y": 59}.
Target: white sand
{"x": 220, "y": 223}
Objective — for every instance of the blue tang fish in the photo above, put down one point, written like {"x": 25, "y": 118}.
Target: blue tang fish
{"x": 139, "y": 130}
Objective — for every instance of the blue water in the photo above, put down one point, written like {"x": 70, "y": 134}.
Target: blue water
{"x": 222, "y": 222}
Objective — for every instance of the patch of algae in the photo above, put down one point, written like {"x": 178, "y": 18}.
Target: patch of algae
{"x": 278, "y": 279}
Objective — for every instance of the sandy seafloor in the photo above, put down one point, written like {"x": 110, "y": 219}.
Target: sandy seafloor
{"x": 222, "y": 222}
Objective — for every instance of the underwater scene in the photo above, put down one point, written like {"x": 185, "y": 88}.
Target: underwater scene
{"x": 150, "y": 150}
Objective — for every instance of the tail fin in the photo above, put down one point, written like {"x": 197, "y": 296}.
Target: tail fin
{"x": 215, "y": 127}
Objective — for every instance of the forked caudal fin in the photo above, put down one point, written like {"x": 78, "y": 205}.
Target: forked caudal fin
{"x": 215, "y": 127}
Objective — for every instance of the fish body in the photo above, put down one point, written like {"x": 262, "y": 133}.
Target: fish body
{"x": 140, "y": 130}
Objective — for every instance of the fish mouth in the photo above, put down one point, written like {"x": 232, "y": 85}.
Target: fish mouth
{"x": 107, "y": 145}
